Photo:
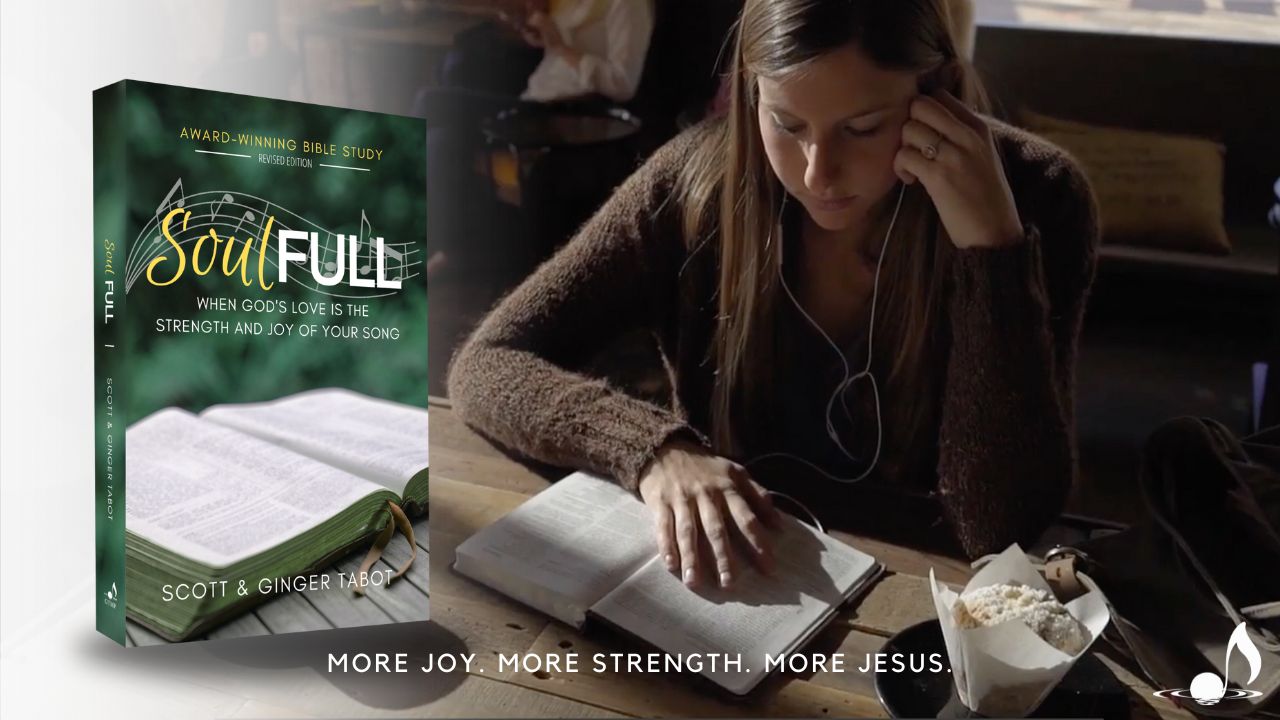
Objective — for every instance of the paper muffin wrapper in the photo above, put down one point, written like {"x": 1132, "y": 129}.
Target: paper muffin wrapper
{"x": 1007, "y": 669}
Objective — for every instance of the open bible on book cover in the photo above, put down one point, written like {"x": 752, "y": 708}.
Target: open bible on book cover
{"x": 583, "y": 548}
{"x": 259, "y": 491}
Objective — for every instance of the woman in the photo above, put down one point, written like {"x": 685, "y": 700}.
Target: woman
{"x": 852, "y": 187}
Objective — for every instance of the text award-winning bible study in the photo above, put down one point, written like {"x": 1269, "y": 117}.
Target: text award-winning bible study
{"x": 260, "y": 353}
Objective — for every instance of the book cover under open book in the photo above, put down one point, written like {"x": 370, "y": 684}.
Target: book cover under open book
{"x": 260, "y": 365}
{"x": 583, "y": 550}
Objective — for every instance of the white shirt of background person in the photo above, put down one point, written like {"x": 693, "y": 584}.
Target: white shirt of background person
{"x": 613, "y": 42}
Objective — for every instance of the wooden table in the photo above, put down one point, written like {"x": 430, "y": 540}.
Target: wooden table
{"x": 474, "y": 484}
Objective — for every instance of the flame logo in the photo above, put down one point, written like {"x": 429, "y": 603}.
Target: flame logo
{"x": 1208, "y": 689}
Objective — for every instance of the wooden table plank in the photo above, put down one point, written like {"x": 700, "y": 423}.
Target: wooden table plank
{"x": 482, "y": 469}
{"x": 474, "y": 696}
{"x": 470, "y": 507}
{"x": 661, "y": 694}
{"x": 291, "y": 612}
{"x": 396, "y": 554}
{"x": 853, "y": 645}
{"x": 479, "y": 696}
{"x": 422, "y": 532}
{"x": 894, "y": 603}
{"x": 488, "y": 630}
{"x": 142, "y": 637}
{"x": 343, "y": 609}
{"x": 402, "y": 601}
{"x": 247, "y": 625}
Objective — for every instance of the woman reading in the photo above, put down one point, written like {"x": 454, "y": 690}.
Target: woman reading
{"x": 856, "y": 278}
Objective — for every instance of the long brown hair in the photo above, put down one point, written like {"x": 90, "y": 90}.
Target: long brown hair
{"x": 729, "y": 178}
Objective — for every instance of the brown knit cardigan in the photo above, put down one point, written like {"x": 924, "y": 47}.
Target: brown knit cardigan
{"x": 1005, "y": 443}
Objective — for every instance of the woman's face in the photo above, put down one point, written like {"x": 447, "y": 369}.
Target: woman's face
{"x": 831, "y": 132}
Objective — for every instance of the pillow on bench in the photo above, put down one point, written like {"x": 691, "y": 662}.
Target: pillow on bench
{"x": 1154, "y": 189}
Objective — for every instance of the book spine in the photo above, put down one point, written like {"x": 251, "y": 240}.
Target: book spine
{"x": 110, "y": 210}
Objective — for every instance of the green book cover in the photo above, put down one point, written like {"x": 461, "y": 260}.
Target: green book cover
{"x": 260, "y": 354}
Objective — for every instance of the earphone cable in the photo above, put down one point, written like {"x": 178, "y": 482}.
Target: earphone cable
{"x": 847, "y": 379}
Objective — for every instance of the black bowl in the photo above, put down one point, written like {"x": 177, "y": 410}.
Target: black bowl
{"x": 1089, "y": 689}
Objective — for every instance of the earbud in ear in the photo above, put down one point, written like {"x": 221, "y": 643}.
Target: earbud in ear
{"x": 951, "y": 75}
{"x": 946, "y": 76}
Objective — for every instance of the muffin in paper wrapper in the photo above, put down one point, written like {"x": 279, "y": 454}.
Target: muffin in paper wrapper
{"x": 1007, "y": 669}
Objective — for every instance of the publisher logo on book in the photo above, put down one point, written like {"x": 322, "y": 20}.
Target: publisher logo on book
{"x": 110, "y": 597}
{"x": 1209, "y": 689}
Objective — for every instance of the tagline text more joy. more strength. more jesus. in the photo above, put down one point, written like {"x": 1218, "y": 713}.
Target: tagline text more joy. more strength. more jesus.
{"x": 633, "y": 662}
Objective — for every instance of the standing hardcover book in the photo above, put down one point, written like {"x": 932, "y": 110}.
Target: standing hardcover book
{"x": 260, "y": 354}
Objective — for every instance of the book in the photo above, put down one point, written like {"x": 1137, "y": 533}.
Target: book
{"x": 260, "y": 359}
{"x": 583, "y": 550}
{"x": 254, "y": 493}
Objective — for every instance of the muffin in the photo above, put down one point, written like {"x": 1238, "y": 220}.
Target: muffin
{"x": 1038, "y": 609}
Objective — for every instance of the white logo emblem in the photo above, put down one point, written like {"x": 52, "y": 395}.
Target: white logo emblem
{"x": 110, "y": 597}
{"x": 1207, "y": 688}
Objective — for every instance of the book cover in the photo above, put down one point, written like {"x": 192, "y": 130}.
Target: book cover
{"x": 260, "y": 353}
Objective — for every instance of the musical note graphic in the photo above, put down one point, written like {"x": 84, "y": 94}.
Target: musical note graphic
{"x": 366, "y": 230}
{"x": 1209, "y": 689}
{"x": 164, "y": 206}
{"x": 248, "y": 215}
{"x": 226, "y": 198}
{"x": 389, "y": 252}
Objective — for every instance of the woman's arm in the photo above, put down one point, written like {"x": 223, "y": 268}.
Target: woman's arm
{"x": 514, "y": 379}
{"x": 1007, "y": 440}
{"x": 616, "y": 74}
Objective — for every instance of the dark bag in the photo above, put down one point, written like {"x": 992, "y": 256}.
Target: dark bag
{"x": 1205, "y": 558}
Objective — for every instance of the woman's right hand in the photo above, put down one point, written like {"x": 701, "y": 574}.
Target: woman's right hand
{"x": 701, "y": 500}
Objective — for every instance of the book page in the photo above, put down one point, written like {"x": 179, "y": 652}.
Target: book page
{"x": 381, "y": 440}
{"x": 563, "y": 549}
{"x": 219, "y": 496}
{"x": 813, "y": 574}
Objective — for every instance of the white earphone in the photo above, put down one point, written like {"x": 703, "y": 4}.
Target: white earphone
{"x": 849, "y": 379}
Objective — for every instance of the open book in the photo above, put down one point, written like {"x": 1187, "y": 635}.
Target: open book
{"x": 584, "y": 548}
{"x": 256, "y": 492}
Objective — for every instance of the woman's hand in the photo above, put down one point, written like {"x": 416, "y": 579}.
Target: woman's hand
{"x": 540, "y": 31}
{"x": 699, "y": 499}
{"x": 950, "y": 149}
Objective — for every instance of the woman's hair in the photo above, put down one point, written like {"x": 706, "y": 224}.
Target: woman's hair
{"x": 729, "y": 177}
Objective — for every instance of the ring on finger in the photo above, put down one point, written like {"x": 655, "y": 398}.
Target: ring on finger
{"x": 930, "y": 151}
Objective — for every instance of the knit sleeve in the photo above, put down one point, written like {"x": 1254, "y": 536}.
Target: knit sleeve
{"x": 1007, "y": 454}
{"x": 514, "y": 378}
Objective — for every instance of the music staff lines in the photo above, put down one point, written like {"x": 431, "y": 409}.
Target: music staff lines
{"x": 274, "y": 265}
{"x": 136, "y": 262}
{"x": 150, "y": 243}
